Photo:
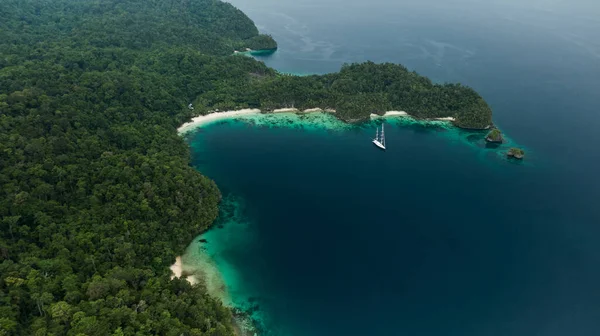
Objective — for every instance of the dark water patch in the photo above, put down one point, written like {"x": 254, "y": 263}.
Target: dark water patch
{"x": 319, "y": 196}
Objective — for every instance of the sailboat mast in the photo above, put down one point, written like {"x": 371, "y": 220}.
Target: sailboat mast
{"x": 382, "y": 136}
{"x": 377, "y": 134}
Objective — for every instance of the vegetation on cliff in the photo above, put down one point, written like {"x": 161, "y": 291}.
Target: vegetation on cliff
{"x": 96, "y": 193}
{"x": 516, "y": 153}
{"x": 355, "y": 92}
{"x": 494, "y": 136}
{"x": 259, "y": 42}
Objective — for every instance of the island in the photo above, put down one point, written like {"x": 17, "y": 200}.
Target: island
{"x": 495, "y": 136}
{"x": 97, "y": 193}
{"x": 516, "y": 153}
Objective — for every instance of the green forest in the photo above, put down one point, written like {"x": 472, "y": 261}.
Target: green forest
{"x": 355, "y": 92}
{"x": 97, "y": 194}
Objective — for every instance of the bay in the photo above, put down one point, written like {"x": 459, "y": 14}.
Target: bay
{"x": 322, "y": 234}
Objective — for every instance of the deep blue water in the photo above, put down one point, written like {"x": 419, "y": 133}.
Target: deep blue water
{"x": 432, "y": 237}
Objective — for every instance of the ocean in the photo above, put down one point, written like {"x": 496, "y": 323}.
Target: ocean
{"x": 321, "y": 233}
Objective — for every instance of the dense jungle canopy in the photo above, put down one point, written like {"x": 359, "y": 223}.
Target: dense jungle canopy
{"x": 97, "y": 195}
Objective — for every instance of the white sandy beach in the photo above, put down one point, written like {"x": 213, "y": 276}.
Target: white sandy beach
{"x": 312, "y": 110}
{"x": 203, "y": 269}
{"x": 295, "y": 110}
{"x": 395, "y": 113}
{"x": 286, "y": 110}
{"x": 405, "y": 114}
{"x": 390, "y": 114}
{"x": 214, "y": 116}
{"x": 176, "y": 268}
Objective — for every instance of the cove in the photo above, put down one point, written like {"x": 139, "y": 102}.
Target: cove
{"x": 317, "y": 226}
{"x": 322, "y": 234}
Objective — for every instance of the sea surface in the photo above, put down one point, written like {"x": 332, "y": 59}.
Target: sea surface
{"x": 321, "y": 233}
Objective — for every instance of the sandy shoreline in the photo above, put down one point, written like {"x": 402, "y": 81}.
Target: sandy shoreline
{"x": 205, "y": 271}
{"x": 390, "y": 114}
{"x": 211, "y": 117}
{"x": 216, "y": 116}
{"x": 405, "y": 114}
{"x": 200, "y": 268}
{"x": 395, "y": 113}
{"x": 286, "y": 110}
{"x": 177, "y": 270}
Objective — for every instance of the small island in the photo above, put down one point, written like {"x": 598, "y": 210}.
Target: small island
{"x": 495, "y": 136}
{"x": 516, "y": 153}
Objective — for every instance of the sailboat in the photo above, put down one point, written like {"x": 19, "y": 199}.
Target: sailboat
{"x": 379, "y": 140}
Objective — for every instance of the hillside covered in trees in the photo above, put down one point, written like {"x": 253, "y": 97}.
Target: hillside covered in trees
{"x": 96, "y": 193}
{"x": 357, "y": 91}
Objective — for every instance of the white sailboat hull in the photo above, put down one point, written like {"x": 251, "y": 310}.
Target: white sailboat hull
{"x": 378, "y": 144}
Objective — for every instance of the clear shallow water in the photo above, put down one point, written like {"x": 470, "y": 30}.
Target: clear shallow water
{"x": 322, "y": 234}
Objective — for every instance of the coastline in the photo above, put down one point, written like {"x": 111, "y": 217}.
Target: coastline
{"x": 255, "y": 52}
{"x": 299, "y": 111}
{"x": 212, "y": 117}
{"x": 406, "y": 114}
{"x": 202, "y": 269}
{"x": 177, "y": 272}
{"x": 202, "y": 265}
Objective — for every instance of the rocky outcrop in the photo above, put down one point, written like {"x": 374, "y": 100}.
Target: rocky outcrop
{"x": 516, "y": 153}
{"x": 495, "y": 136}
